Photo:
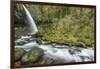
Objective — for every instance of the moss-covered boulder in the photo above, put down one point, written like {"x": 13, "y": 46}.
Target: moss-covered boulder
{"x": 19, "y": 52}
{"x": 32, "y": 56}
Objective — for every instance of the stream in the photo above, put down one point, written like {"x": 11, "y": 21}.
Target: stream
{"x": 55, "y": 52}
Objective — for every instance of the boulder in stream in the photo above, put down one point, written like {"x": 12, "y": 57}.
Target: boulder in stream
{"x": 32, "y": 56}
{"x": 19, "y": 52}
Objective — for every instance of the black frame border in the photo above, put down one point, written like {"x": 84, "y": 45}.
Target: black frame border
{"x": 12, "y": 32}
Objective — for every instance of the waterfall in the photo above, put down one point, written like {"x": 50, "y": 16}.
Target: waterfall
{"x": 31, "y": 22}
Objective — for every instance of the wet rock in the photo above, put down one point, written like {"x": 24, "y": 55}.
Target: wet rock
{"x": 19, "y": 52}
{"x": 24, "y": 59}
{"x": 85, "y": 58}
{"x": 48, "y": 60}
{"x": 39, "y": 41}
{"x": 74, "y": 51}
{"x": 20, "y": 42}
{"x": 41, "y": 61}
{"x": 32, "y": 56}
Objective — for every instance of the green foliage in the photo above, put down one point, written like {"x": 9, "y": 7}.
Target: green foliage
{"x": 62, "y": 24}
{"x": 19, "y": 31}
{"x": 19, "y": 15}
{"x": 71, "y": 29}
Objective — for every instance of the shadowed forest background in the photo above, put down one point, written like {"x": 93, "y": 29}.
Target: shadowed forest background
{"x": 59, "y": 24}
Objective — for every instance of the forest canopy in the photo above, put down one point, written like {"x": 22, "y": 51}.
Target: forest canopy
{"x": 60, "y": 24}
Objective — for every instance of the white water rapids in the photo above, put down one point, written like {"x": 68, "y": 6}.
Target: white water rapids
{"x": 58, "y": 52}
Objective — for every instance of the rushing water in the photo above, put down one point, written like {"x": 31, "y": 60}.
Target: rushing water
{"x": 56, "y": 52}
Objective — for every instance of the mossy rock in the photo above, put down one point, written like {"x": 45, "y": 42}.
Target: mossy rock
{"x": 33, "y": 56}
{"x": 41, "y": 61}
{"x": 19, "y": 52}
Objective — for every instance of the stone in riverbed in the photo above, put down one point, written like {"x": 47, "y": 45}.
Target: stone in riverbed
{"x": 32, "y": 56}
{"x": 19, "y": 52}
{"x": 74, "y": 51}
{"x": 20, "y": 42}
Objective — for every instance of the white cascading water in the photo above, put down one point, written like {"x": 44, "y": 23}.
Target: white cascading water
{"x": 61, "y": 53}
{"x": 31, "y": 22}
